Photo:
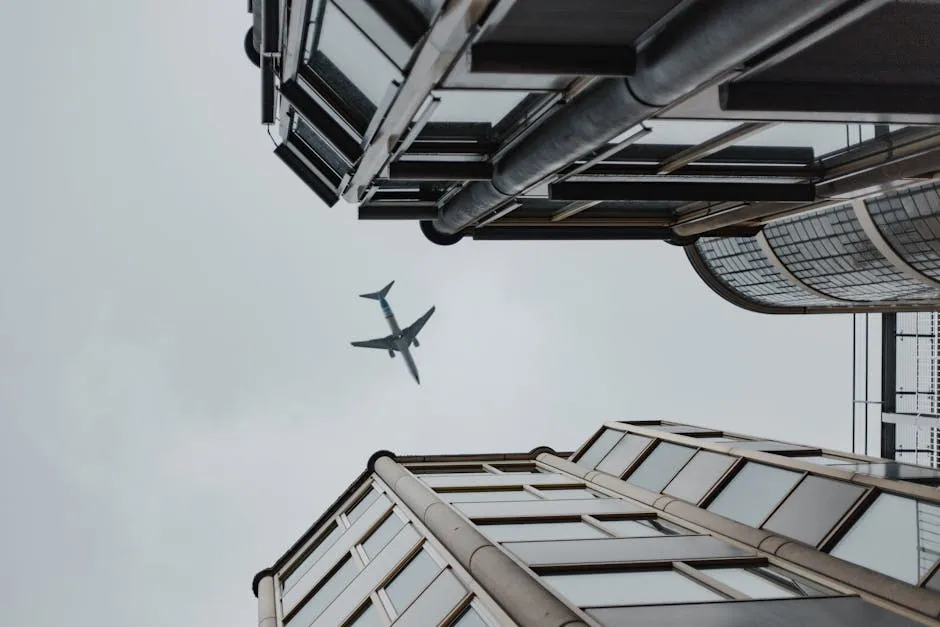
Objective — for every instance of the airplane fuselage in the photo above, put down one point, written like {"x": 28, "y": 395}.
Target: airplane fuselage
{"x": 402, "y": 342}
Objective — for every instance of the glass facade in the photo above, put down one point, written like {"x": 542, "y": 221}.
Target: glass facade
{"x": 613, "y": 556}
{"x": 827, "y": 260}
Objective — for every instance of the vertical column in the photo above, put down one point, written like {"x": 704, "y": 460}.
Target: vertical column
{"x": 267, "y": 602}
{"x": 520, "y": 595}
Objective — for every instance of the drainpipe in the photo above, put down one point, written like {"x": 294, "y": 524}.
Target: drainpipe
{"x": 704, "y": 42}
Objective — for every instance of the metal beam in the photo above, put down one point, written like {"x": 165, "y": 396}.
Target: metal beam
{"x": 731, "y": 155}
{"x": 306, "y": 174}
{"x": 440, "y": 171}
{"x": 549, "y": 232}
{"x": 397, "y": 212}
{"x": 712, "y": 145}
{"x": 573, "y": 208}
{"x": 554, "y": 59}
{"x": 787, "y": 192}
{"x": 829, "y": 97}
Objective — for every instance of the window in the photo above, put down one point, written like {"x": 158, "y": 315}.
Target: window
{"x": 660, "y": 466}
{"x": 492, "y": 479}
{"x": 753, "y": 493}
{"x": 623, "y": 454}
{"x": 822, "y": 460}
{"x": 367, "y": 617}
{"x": 601, "y": 446}
{"x": 896, "y": 536}
{"x": 327, "y": 592}
{"x": 514, "y": 532}
{"x": 476, "y": 105}
{"x": 643, "y": 527}
{"x": 623, "y": 550}
{"x": 566, "y": 493}
{"x": 893, "y": 470}
{"x": 698, "y": 476}
{"x": 630, "y": 588}
{"x": 382, "y": 535}
{"x": 470, "y": 618}
{"x": 357, "y": 58}
{"x": 765, "y": 583}
{"x": 323, "y": 544}
{"x": 770, "y": 446}
{"x": 361, "y": 506}
{"x": 435, "y": 603}
{"x": 827, "y": 499}
{"x": 412, "y": 580}
{"x": 491, "y": 495}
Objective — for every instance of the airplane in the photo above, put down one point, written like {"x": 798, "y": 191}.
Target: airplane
{"x": 401, "y": 339}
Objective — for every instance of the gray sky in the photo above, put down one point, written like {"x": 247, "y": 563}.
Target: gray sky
{"x": 176, "y": 310}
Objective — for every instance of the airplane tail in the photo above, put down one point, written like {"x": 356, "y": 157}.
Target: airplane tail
{"x": 380, "y": 294}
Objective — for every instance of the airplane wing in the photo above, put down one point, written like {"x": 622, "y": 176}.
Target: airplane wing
{"x": 383, "y": 343}
{"x": 412, "y": 331}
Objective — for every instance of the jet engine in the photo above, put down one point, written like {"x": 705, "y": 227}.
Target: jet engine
{"x": 391, "y": 354}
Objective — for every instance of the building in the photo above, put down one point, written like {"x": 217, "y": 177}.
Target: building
{"x": 789, "y": 146}
{"x": 896, "y": 389}
{"x": 647, "y": 523}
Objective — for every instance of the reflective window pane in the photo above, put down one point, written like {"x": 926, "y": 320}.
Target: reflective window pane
{"x": 660, "y": 466}
{"x": 770, "y": 446}
{"x": 355, "y": 56}
{"x": 574, "y": 493}
{"x": 326, "y": 594}
{"x": 643, "y": 527}
{"x": 699, "y": 475}
{"x": 326, "y": 541}
{"x": 470, "y": 618}
{"x": 623, "y": 454}
{"x": 753, "y": 493}
{"x": 611, "y": 550}
{"x": 630, "y": 588}
{"x": 894, "y": 470}
{"x": 827, "y": 499}
{"x": 368, "y": 617}
{"x": 542, "y": 508}
{"x": 476, "y": 105}
{"x": 359, "y": 508}
{"x": 822, "y": 460}
{"x": 764, "y": 583}
{"x": 435, "y": 603}
{"x": 515, "y": 532}
{"x": 897, "y": 536}
{"x": 491, "y": 495}
{"x": 412, "y": 580}
{"x": 382, "y": 535}
{"x": 599, "y": 448}
{"x": 492, "y": 479}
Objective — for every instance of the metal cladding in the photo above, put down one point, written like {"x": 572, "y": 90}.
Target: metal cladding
{"x": 696, "y": 47}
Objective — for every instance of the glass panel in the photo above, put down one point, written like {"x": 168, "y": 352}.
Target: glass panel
{"x": 476, "y": 105}
{"x": 824, "y": 138}
{"x": 492, "y": 479}
{"x": 325, "y": 542}
{"x": 753, "y": 493}
{"x": 600, "y": 448}
{"x": 630, "y": 588}
{"x": 644, "y": 527}
{"x": 699, "y": 475}
{"x": 610, "y": 550}
{"x": 368, "y": 617}
{"x": 770, "y": 446}
{"x": 828, "y": 500}
{"x": 897, "y": 536}
{"x": 359, "y": 508}
{"x": 763, "y": 583}
{"x": 326, "y": 594}
{"x": 412, "y": 580}
{"x": 319, "y": 146}
{"x": 470, "y": 618}
{"x": 492, "y": 495}
{"x": 684, "y": 132}
{"x": 515, "y": 532}
{"x": 723, "y": 438}
{"x": 577, "y": 493}
{"x": 822, "y": 460}
{"x": 660, "y": 466}
{"x": 355, "y": 56}
{"x": 435, "y": 603}
{"x": 382, "y": 535}
{"x": 623, "y": 454}
{"x": 682, "y": 429}
{"x": 893, "y": 470}
{"x": 545, "y": 508}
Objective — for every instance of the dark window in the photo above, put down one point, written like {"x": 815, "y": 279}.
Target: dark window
{"x": 699, "y": 475}
{"x": 623, "y": 454}
{"x": 660, "y": 466}
{"x": 813, "y": 509}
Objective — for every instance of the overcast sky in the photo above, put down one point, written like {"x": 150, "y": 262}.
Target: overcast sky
{"x": 179, "y": 398}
